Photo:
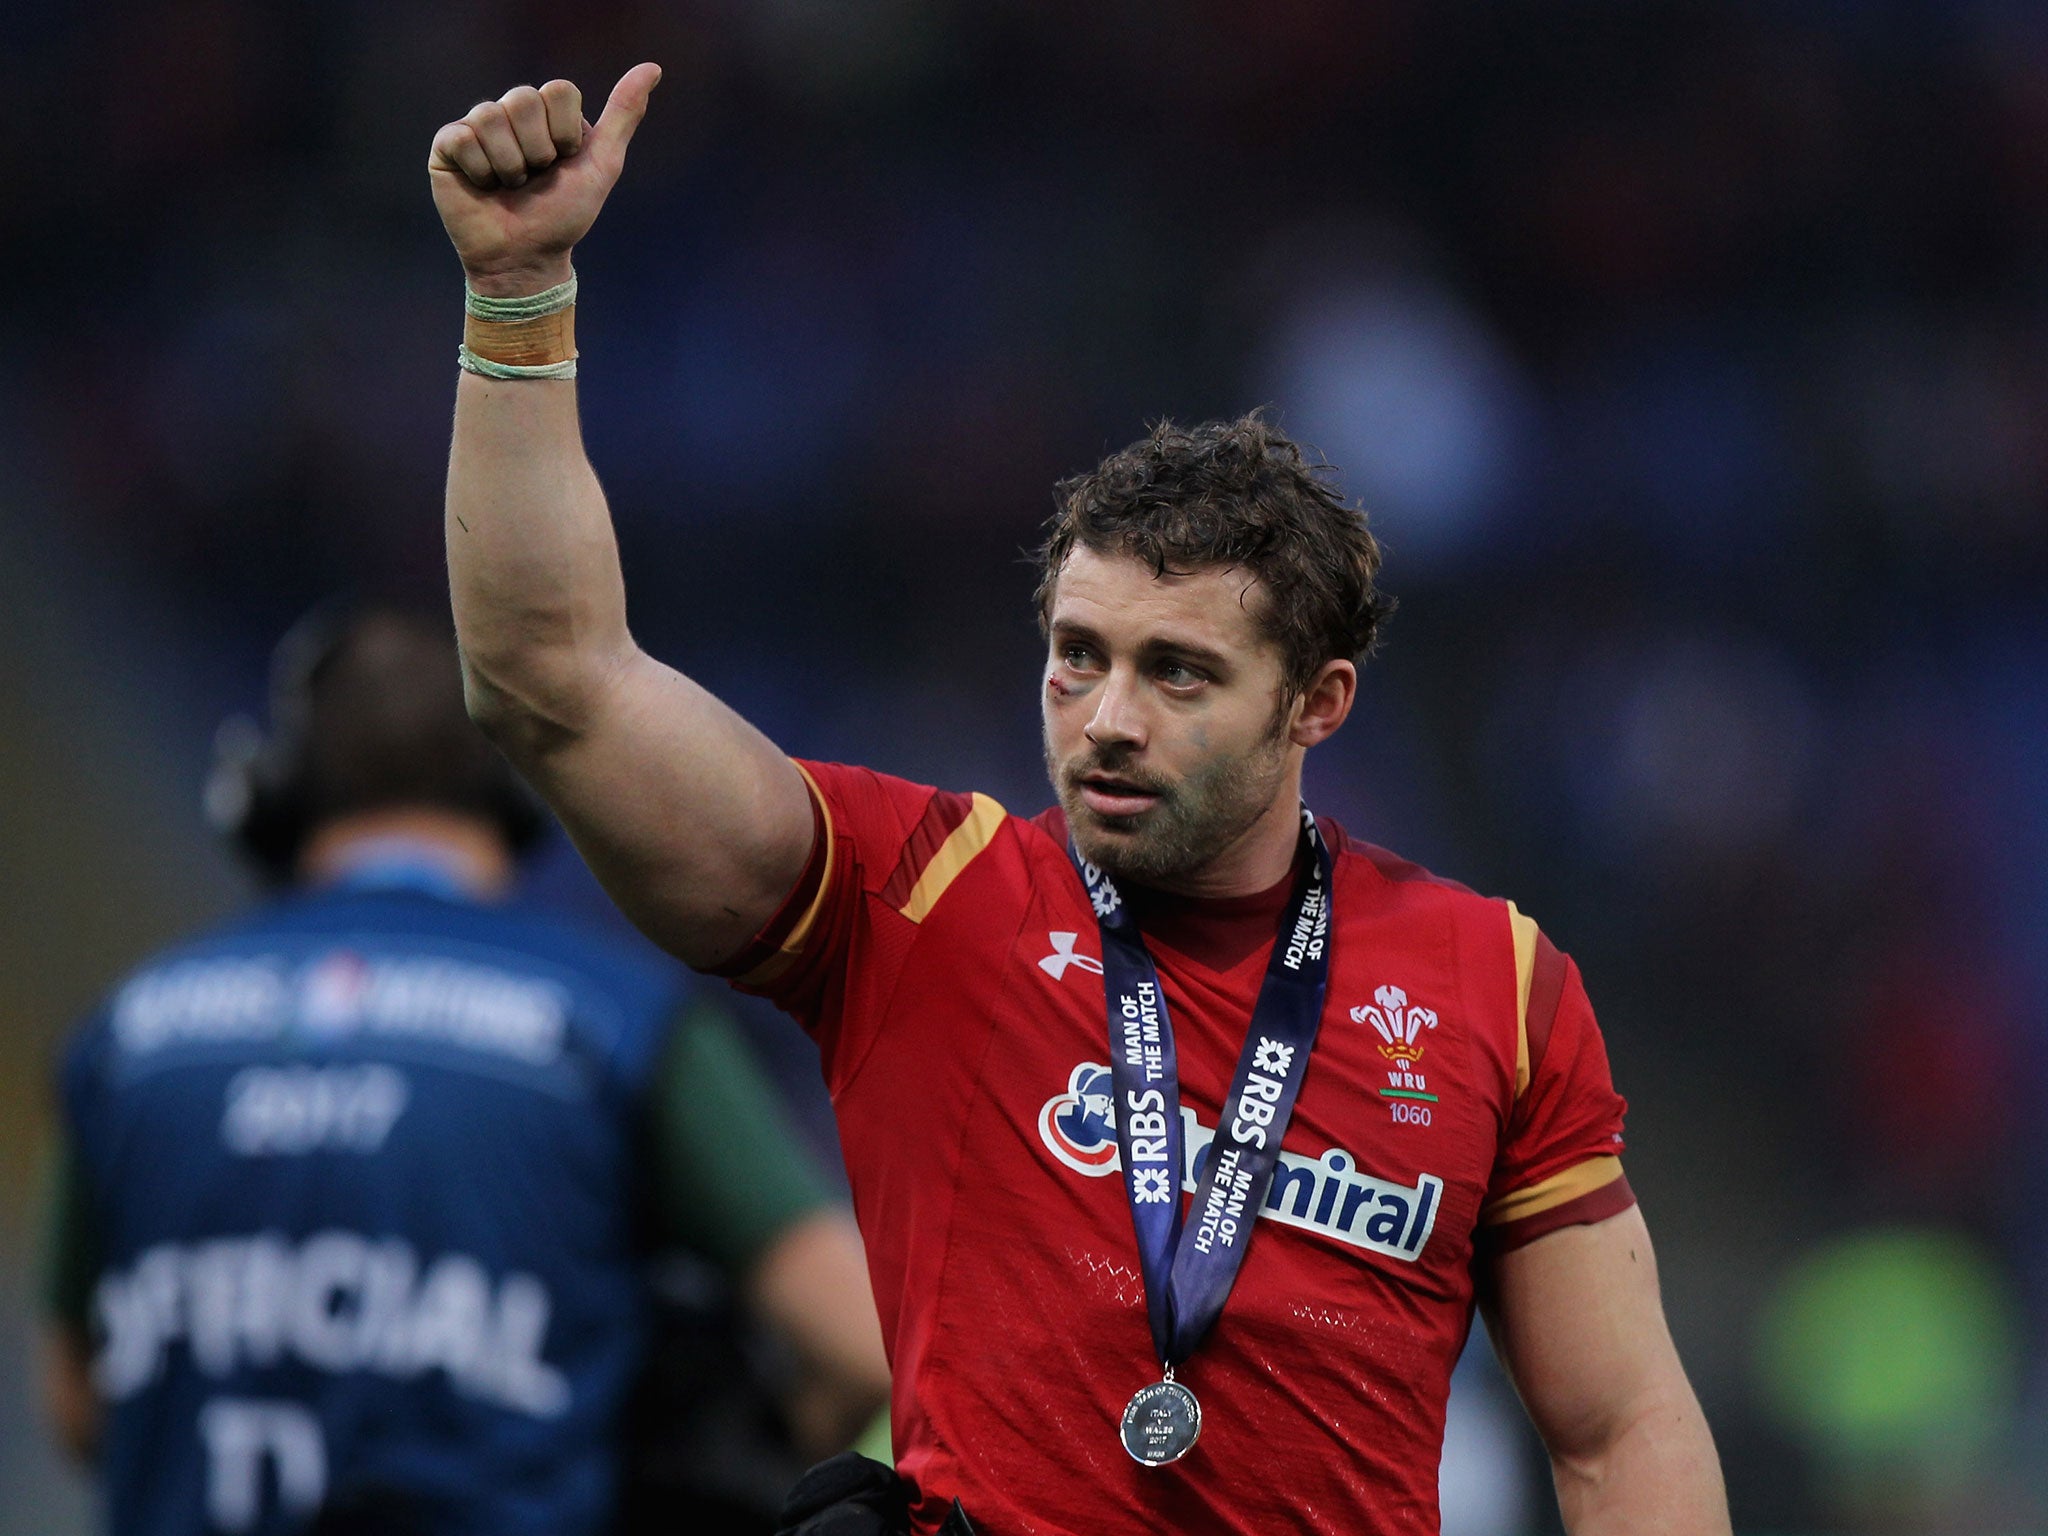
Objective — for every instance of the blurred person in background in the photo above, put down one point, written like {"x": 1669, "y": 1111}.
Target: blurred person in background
{"x": 356, "y": 1194}
{"x": 1207, "y": 598}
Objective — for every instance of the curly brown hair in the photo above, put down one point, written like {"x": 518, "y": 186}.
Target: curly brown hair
{"x": 1233, "y": 493}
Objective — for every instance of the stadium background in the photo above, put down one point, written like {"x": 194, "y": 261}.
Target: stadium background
{"x": 1693, "y": 360}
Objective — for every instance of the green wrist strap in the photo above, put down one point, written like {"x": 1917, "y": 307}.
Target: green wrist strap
{"x": 469, "y": 362}
{"x": 532, "y": 306}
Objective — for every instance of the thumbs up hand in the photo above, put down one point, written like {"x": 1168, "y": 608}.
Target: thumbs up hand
{"x": 518, "y": 181}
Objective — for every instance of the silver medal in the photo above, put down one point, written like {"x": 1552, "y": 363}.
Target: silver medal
{"x": 1160, "y": 1423}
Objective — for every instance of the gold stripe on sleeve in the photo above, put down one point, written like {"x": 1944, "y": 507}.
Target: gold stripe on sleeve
{"x": 954, "y": 855}
{"x": 1524, "y": 929}
{"x": 1579, "y": 1179}
{"x": 794, "y": 944}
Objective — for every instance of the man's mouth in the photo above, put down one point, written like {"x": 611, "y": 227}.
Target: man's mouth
{"x": 1106, "y": 794}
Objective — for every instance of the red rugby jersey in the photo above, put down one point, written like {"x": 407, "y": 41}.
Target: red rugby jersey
{"x": 945, "y": 956}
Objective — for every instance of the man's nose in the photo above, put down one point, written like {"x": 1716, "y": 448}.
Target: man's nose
{"x": 1118, "y": 720}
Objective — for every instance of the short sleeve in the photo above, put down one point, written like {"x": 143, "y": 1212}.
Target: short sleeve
{"x": 730, "y": 1175}
{"x": 1560, "y": 1162}
{"x": 68, "y": 1261}
{"x": 883, "y": 852}
{"x": 69, "y": 1257}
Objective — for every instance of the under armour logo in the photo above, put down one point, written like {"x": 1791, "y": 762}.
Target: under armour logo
{"x": 1272, "y": 1056}
{"x": 1055, "y": 964}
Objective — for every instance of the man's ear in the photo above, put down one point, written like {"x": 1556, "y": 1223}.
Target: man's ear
{"x": 1324, "y": 704}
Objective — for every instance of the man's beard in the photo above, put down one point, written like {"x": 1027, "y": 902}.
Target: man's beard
{"x": 1188, "y": 825}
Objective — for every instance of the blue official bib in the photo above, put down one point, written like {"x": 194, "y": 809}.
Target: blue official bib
{"x": 362, "y": 1168}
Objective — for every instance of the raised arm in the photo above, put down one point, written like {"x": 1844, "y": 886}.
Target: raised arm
{"x": 695, "y": 822}
{"x": 1579, "y": 1325}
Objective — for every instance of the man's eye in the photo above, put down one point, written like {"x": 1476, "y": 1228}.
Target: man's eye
{"x": 1177, "y": 675}
{"x": 1077, "y": 657}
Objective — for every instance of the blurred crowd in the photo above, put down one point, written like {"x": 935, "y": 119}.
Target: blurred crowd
{"x": 1691, "y": 359}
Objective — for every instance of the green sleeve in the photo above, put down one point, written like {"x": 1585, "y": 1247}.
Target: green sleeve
{"x": 730, "y": 1174}
{"x": 69, "y": 1260}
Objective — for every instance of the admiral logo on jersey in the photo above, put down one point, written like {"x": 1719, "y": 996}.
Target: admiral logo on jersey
{"x": 1329, "y": 1195}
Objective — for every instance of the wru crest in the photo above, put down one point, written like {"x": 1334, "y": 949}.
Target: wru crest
{"x": 1400, "y": 1026}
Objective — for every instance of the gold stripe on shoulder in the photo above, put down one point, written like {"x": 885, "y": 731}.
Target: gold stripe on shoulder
{"x": 1547, "y": 1194}
{"x": 955, "y": 854}
{"x": 792, "y": 946}
{"x": 1524, "y": 930}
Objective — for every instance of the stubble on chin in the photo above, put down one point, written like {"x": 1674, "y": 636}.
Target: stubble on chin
{"x": 1147, "y": 849}
{"x": 1120, "y": 846}
{"x": 1191, "y": 824}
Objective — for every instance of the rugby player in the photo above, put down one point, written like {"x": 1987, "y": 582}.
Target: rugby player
{"x": 1387, "y": 1095}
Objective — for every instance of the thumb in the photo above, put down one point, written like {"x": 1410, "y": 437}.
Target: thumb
{"x": 623, "y": 111}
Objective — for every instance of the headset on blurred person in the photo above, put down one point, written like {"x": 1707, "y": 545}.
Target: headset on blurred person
{"x": 378, "y": 748}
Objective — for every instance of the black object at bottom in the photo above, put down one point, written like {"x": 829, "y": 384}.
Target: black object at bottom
{"x": 846, "y": 1495}
{"x": 855, "y": 1495}
{"x": 705, "y": 1430}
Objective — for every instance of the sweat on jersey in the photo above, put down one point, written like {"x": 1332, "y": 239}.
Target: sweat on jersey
{"x": 945, "y": 955}
{"x": 356, "y": 1212}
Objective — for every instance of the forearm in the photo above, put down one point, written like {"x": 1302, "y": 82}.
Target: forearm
{"x": 533, "y": 565}
{"x": 1659, "y": 1476}
{"x": 69, "y": 1402}
{"x": 812, "y": 1290}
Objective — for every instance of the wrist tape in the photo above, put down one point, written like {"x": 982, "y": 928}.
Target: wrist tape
{"x": 533, "y": 337}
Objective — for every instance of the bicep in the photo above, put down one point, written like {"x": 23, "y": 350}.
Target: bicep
{"x": 1577, "y": 1320}
{"x": 696, "y": 824}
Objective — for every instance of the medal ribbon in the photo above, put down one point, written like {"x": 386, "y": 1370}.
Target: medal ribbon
{"x": 1189, "y": 1277}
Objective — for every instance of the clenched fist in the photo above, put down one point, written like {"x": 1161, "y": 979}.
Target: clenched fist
{"x": 518, "y": 181}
